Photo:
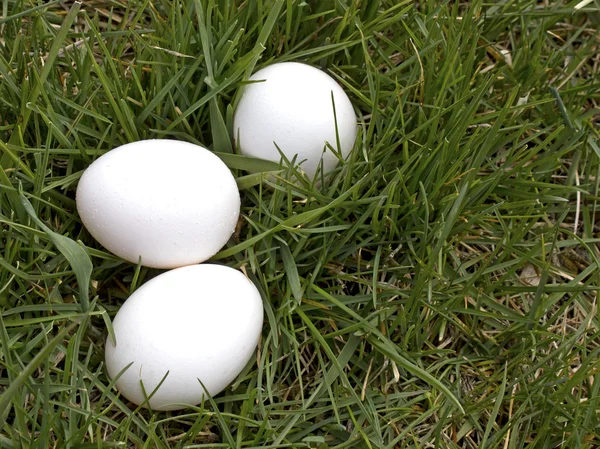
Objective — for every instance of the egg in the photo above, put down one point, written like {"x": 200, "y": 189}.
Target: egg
{"x": 171, "y": 203}
{"x": 195, "y": 322}
{"x": 290, "y": 107}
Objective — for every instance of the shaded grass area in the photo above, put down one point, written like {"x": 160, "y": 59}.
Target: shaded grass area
{"x": 438, "y": 291}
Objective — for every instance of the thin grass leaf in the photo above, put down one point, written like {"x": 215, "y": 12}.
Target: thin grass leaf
{"x": 75, "y": 254}
{"x": 221, "y": 139}
{"x": 497, "y": 404}
{"x": 291, "y": 271}
{"x": 15, "y": 386}
{"x": 57, "y": 43}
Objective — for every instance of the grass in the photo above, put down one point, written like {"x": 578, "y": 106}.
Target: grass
{"x": 440, "y": 290}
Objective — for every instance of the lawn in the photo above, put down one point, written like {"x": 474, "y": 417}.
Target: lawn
{"x": 438, "y": 290}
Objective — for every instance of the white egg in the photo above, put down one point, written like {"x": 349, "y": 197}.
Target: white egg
{"x": 195, "y": 322}
{"x": 293, "y": 109}
{"x": 171, "y": 203}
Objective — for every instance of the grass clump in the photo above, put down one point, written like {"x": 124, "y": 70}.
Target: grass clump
{"x": 439, "y": 291}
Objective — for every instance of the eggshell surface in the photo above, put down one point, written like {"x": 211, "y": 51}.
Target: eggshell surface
{"x": 195, "y": 322}
{"x": 293, "y": 109}
{"x": 171, "y": 203}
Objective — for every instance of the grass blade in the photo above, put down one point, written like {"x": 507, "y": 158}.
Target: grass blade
{"x": 15, "y": 385}
{"x": 75, "y": 254}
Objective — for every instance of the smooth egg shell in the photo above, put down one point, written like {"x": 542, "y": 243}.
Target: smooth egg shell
{"x": 196, "y": 322}
{"x": 171, "y": 203}
{"x": 292, "y": 109}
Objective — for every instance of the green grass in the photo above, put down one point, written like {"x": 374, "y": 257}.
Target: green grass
{"x": 439, "y": 291}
